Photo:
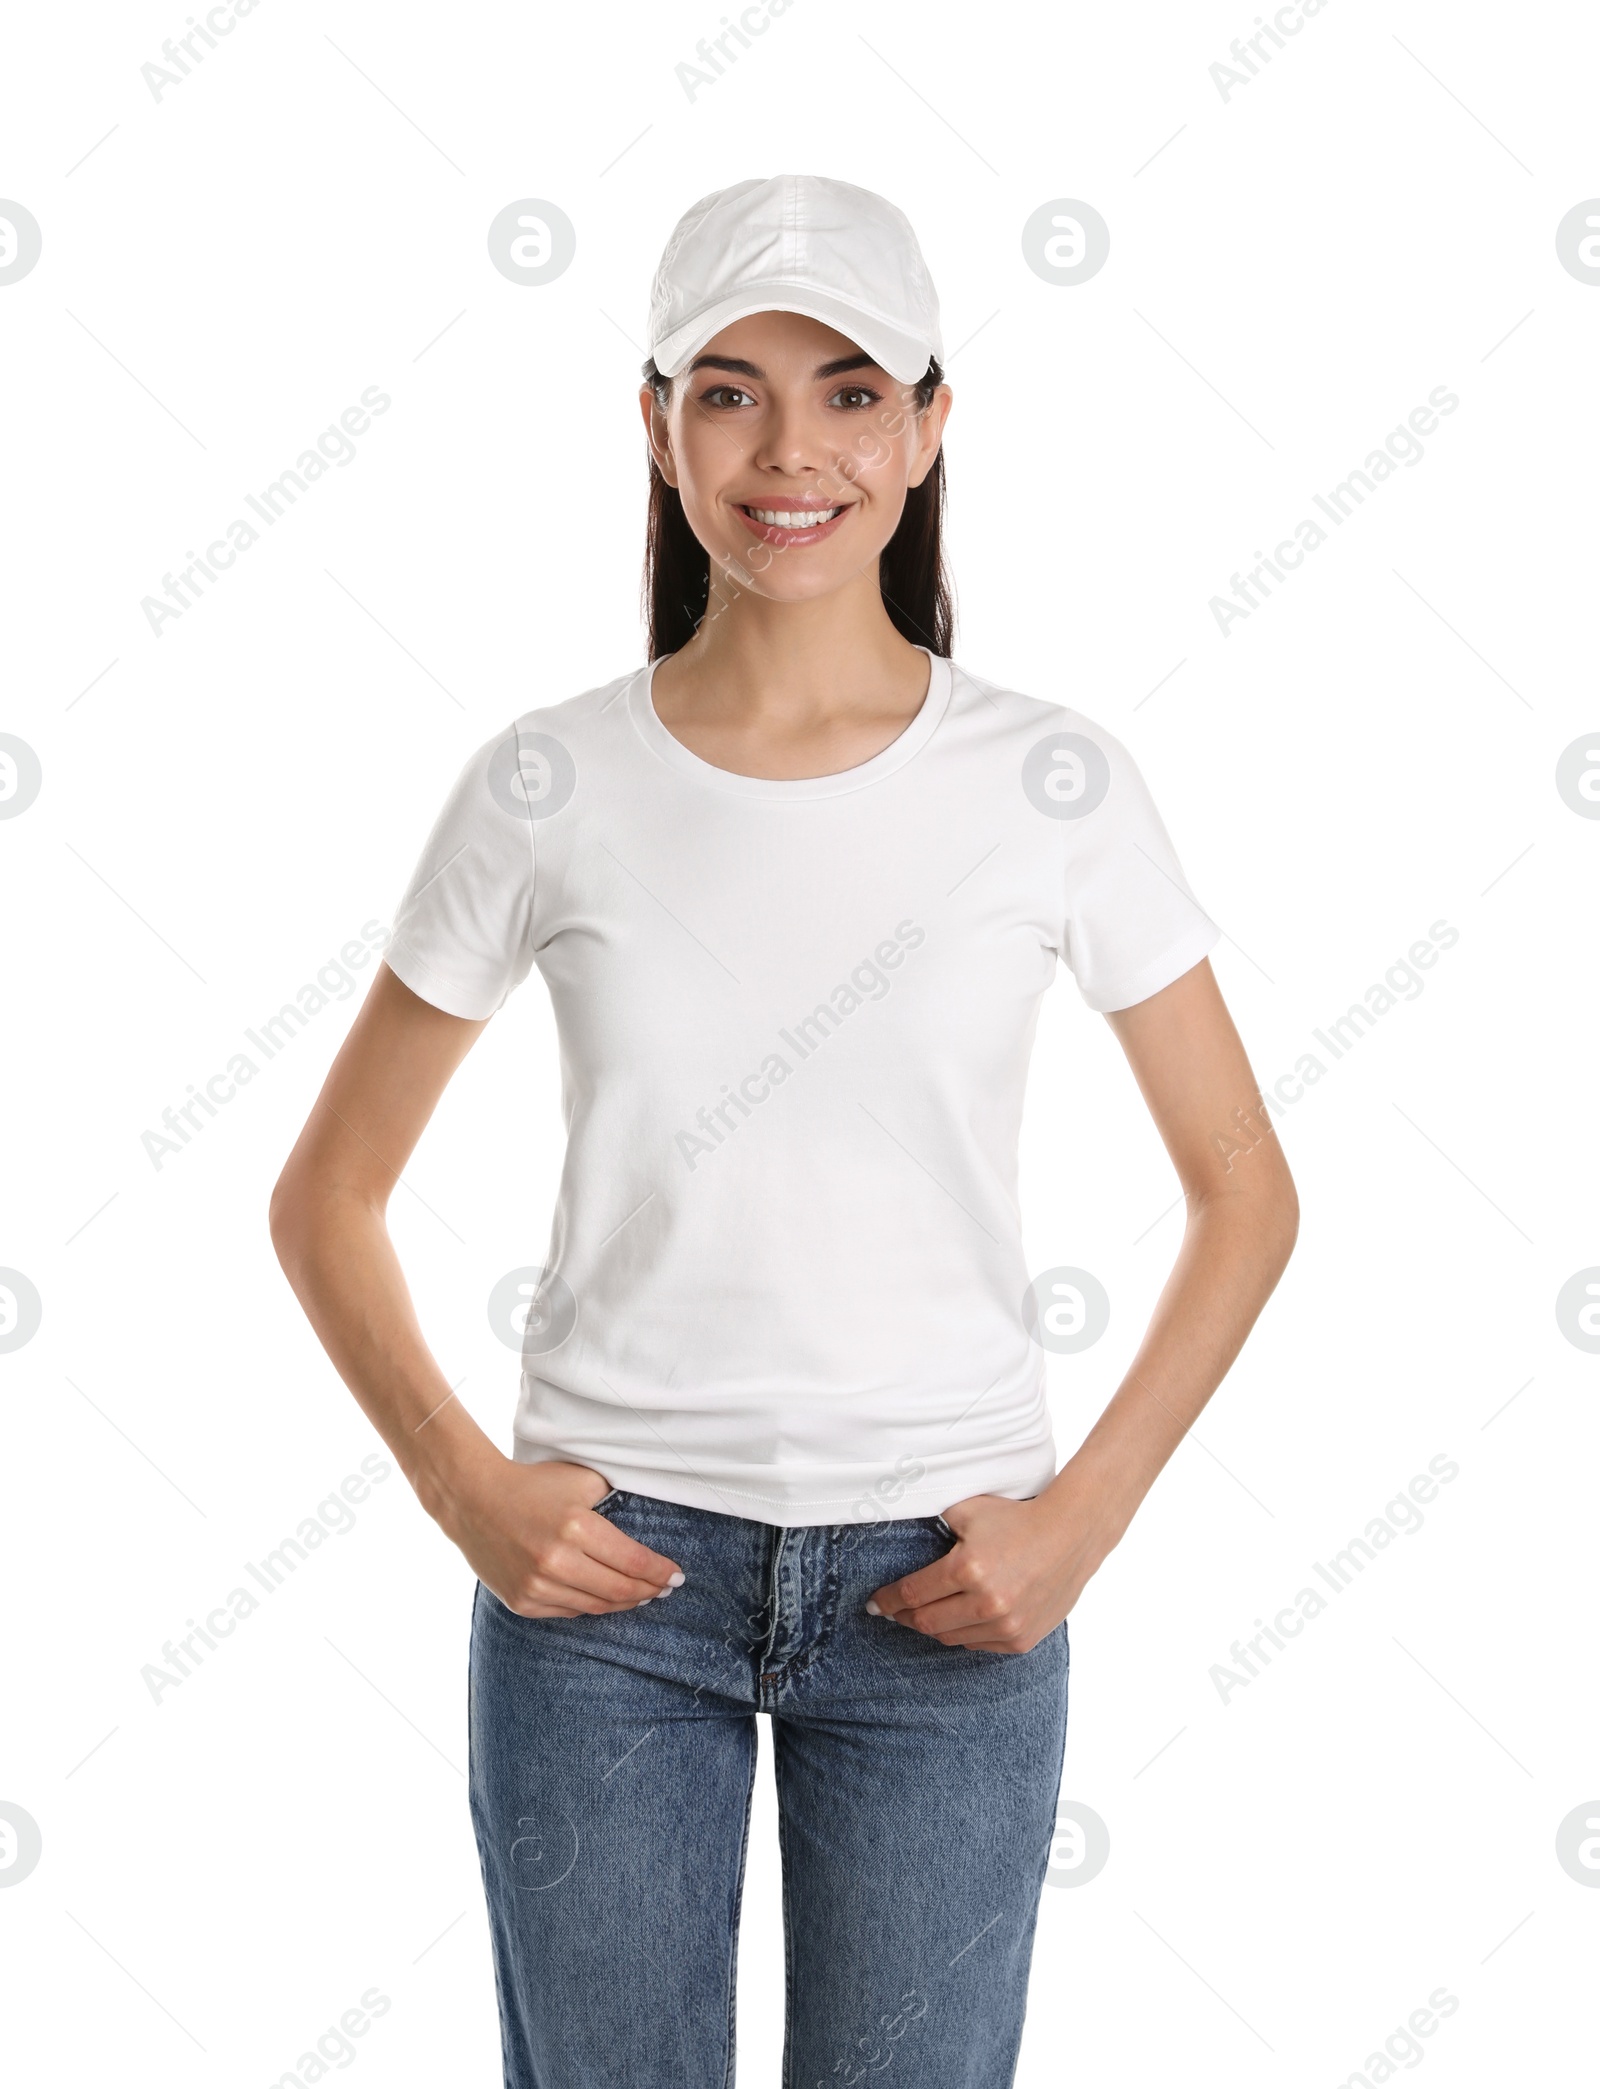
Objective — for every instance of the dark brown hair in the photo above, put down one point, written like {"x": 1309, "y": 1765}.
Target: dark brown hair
{"x": 911, "y": 568}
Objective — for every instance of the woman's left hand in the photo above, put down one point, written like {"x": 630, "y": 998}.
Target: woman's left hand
{"x": 1014, "y": 1572}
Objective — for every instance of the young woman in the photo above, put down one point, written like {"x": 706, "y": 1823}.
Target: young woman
{"x": 796, "y": 887}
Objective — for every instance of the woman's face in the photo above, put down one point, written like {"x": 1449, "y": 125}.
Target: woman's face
{"x": 792, "y": 452}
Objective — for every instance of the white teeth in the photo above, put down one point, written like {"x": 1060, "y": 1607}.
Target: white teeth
{"x": 781, "y": 518}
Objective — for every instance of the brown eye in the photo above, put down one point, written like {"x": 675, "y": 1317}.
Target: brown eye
{"x": 856, "y": 397}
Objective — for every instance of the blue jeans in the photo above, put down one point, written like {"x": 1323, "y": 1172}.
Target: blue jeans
{"x": 612, "y": 1764}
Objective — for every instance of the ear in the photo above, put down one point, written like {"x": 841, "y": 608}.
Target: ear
{"x": 929, "y": 435}
{"x": 656, "y": 434}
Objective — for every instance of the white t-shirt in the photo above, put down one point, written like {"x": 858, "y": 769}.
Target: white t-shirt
{"x": 785, "y": 1278}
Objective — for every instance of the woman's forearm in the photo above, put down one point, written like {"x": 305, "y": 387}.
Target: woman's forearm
{"x": 336, "y": 1252}
{"x": 1233, "y": 1253}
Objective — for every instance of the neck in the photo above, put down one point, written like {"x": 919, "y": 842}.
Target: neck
{"x": 793, "y": 661}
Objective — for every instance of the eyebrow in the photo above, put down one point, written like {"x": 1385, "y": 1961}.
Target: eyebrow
{"x": 741, "y": 368}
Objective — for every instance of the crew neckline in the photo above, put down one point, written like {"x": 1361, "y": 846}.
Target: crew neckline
{"x": 885, "y": 762}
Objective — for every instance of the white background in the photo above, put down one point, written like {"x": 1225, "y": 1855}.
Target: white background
{"x": 1292, "y": 270}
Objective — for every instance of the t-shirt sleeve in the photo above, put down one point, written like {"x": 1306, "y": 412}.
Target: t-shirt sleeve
{"x": 1131, "y": 925}
{"x": 462, "y": 932}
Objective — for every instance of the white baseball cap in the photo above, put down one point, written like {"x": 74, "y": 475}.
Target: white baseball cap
{"x": 796, "y": 243}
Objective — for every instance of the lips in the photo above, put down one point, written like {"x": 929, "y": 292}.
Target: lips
{"x": 791, "y": 531}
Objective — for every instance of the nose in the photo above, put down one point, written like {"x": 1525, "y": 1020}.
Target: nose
{"x": 791, "y": 446}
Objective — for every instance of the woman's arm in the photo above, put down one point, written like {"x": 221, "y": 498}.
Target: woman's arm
{"x": 528, "y": 1531}
{"x": 1018, "y": 1567}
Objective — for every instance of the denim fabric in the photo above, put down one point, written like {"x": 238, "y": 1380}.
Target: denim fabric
{"x": 612, "y": 1761}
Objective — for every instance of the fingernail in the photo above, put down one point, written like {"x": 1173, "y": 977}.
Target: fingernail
{"x": 643, "y": 1600}
{"x": 677, "y": 1581}
{"x": 872, "y": 1609}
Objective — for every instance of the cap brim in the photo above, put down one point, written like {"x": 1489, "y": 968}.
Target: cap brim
{"x": 905, "y": 358}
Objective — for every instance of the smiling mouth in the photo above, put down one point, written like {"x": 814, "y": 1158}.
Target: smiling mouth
{"x": 793, "y": 518}
{"x": 790, "y": 525}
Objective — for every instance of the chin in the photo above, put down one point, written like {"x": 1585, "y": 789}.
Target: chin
{"x": 806, "y": 588}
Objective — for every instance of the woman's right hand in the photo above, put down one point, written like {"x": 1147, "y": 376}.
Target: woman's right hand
{"x": 530, "y": 1534}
